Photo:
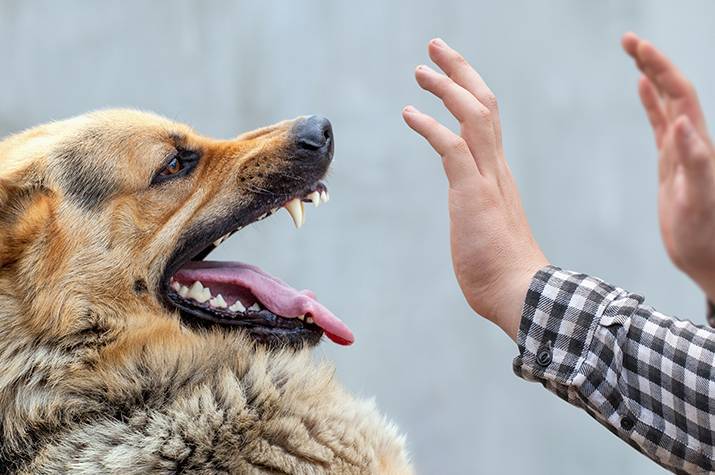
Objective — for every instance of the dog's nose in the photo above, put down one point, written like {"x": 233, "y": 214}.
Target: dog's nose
{"x": 313, "y": 133}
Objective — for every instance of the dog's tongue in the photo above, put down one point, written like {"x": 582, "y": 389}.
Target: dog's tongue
{"x": 273, "y": 293}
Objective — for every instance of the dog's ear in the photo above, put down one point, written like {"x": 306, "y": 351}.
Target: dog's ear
{"x": 23, "y": 159}
{"x": 23, "y": 209}
{"x": 19, "y": 185}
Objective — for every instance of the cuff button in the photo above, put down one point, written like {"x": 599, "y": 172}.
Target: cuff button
{"x": 544, "y": 356}
{"x": 627, "y": 423}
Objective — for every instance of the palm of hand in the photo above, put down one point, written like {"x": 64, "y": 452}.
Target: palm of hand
{"x": 686, "y": 166}
{"x": 686, "y": 209}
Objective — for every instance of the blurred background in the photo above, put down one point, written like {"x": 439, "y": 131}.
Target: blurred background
{"x": 377, "y": 254}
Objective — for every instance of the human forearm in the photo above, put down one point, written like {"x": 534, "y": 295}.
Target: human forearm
{"x": 648, "y": 377}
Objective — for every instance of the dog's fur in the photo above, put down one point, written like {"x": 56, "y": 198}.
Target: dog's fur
{"x": 96, "y": 374}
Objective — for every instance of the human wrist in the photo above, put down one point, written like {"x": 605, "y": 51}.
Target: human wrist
{"x": 510, "y": 305}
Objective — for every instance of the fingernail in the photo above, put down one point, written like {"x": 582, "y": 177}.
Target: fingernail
{"x": 409, "y": 110}
{"x": 423, "y": 67}
{"x": 439, "y": 42}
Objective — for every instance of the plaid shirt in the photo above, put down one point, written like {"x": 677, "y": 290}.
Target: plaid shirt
{"x": 647, "y": 377}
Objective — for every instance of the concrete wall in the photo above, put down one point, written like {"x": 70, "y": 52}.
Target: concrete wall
{"x": 378, "y": 254}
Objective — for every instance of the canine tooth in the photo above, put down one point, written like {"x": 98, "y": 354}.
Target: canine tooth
{"x": 315, "y": 198}
{"x": 237, "y": 307}
{"x": 222, "y": 239}
{"x": 183, "y": 291}
{"x": 218, "y": 302}
{"x": 308, "y": 319}
{"x": 175, "y": 285}
{"x": 295, "y": 209}
{"x": 256, "y": 307}
{"x": 324, "y": 196}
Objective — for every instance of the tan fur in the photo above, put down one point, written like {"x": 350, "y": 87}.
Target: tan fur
{"x": 97, "y": 376}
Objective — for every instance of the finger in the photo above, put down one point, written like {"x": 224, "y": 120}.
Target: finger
{"x": 459, "y": 165}
{"x": 678, "y": 93}
{"x": 630, "y": 41}
{"x": 473, "y": 116}
{"x": 667, "y": 158}
{"x": 661, "y": 71}
{"x": 461, "y": 72}
{"x": 654, "y": 109}
{"x": 693, "y": 152}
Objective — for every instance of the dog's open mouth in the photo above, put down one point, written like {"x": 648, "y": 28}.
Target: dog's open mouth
{"x": 242, "y": 296}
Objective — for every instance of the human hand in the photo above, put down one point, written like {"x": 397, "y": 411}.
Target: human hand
{"x": 686, "y": 165}
{"x": 493, "y": 251}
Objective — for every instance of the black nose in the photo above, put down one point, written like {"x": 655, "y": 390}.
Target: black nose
{"x": 313, "y": 132}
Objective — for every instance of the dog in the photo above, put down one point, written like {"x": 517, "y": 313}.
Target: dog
{"x": 123, "y": 350}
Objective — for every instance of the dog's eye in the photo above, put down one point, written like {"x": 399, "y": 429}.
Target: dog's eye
{"x": 174, "y": 166}
{"x": 180, "y": 164}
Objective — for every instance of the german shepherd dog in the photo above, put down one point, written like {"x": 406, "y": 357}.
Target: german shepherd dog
{"x": 123, "y": 351}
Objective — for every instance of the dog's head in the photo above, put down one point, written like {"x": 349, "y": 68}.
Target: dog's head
{"x": 109, "y": 216}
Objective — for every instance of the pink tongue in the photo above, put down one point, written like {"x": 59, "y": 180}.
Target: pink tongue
{"x": 273, "y": 293}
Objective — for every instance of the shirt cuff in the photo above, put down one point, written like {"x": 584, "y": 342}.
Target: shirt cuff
{"x": 560, "y": 315}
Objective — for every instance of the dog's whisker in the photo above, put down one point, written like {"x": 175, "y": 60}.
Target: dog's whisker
{"x": 259, "y": 190}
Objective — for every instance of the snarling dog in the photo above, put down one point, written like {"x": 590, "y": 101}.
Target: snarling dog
{"x": 122, "y": 350}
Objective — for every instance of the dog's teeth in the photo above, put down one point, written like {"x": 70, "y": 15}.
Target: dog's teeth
{"x": 221, "y": 240}
{"x": 296, "y": 211}
{"x": 308, "y": 319}
{"x": 237, "y": 307}
{"x": 196, "y": 289}
{"x": 301, "y": 317}
{"x": 315, "y": 198}
{"x": 198, "y": 293}
{"x": 324, "y": 197}
{"x": 218, "y": 302}
{"x": 175, "y": 285}
{"x": 206, "y": 295}
{"x": 183, "y": 291}
{"x": 255, "y": 307}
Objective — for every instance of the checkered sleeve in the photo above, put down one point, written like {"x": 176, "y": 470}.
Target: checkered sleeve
{"x": 647, "y": 377}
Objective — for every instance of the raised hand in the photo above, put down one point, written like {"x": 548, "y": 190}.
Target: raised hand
{"x": 493, "y": 251}
{"x": 686, "y": 165}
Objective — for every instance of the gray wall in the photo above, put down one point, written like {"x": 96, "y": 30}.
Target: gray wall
{"x": 378, "y": 255}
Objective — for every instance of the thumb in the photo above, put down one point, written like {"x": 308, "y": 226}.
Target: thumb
{"x": 694, "y": 153}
